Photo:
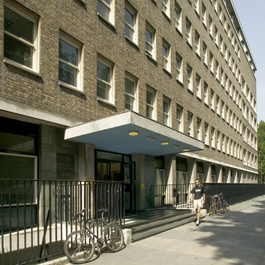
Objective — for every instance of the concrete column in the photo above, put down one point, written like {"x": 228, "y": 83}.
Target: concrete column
{"x": 192, "y": 170}
{"x": 86, "y": 162}
{"x": 170, "y": 169}
{"x": 219, "y": 173}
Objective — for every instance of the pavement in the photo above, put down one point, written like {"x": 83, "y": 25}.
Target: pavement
{"x": 235, "y": 237}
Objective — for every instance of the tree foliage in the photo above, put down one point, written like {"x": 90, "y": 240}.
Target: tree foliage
{"x": 261, "y": 149}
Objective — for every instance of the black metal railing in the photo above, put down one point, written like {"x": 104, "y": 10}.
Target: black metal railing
{"x": 176, "y": 195}
{"x": 37, "y": 215}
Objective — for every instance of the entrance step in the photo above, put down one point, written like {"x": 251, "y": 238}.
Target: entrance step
{"x": 153, "y": 222}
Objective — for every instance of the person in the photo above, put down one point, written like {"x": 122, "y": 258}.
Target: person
{"x": 198, "y": 195}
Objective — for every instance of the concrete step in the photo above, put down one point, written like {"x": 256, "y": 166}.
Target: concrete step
{"x": 144, "y": 229}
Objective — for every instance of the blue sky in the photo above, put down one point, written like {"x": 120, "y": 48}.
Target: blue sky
{"x": 251, "y": 14}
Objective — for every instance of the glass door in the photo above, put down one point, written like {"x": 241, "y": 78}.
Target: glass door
{"x": 129, "y": 179}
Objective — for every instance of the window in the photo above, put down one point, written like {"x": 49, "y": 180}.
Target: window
{"x": 205, "y": 93}
{"x": 196, "y": 5}
{"x": 206, "y": 133}
{"x": 210, "y": 26}
{"x": 218, "y": 105}
{"x": 203, "y": 14}
{"x": 188, "y": 32}
{"x": 21, "y": 37}
{"x": 212, "y": 100}
{"x": 178, "y": 17}
{"x": 211, "y": 62}
{"x": 218, "y": 139}
{"x": 179, "y": 118}
{"x": 189, "y": 78}
{"x": 166, "y": 55}
{"x": 150, "y": 103}
{"x": 216, "y": 70}
{"x": 199, "y": 129}
{"x": 223, "y": 143}
{"x": 213, "y": 137}
{"x": 150, "y": 41}
{"x": 197, "y": 43}
{"x": 130, "y": 26}
{"x": 216, "y": 35}
{"x": 105, "y": 9}
{"x": 179, "y": 68}
{"x": 105, "y": 88}
{"x": 166, "y": 111}
{"x": 70, "y": 62}
{"x": 166, "y": 7}
{"x": 130, "y": 92}
{"x": 198, "y": 86}
{"x": 190, "y": 123}
{"x": 205, "y": 54}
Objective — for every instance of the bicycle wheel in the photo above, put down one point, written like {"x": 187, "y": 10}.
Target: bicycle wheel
{"x": 212, "y": 210}
{"x": 113, "y": 237}
{"x": 220, "y": 207}
{"x": 226, "y": 205}
{"x": 79, "y": 247}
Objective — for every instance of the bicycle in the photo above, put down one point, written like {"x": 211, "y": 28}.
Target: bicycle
{"x": 212, "y": 208}
{"x": 221, "y": 204}
{"x": 80, "y": 245}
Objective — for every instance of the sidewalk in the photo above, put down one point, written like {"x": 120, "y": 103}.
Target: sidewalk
{"x": 236, "y": 237}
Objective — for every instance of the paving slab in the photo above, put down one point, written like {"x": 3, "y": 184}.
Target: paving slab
{"x": 235, "y": 237}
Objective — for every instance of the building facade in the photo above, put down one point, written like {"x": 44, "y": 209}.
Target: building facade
{"x": 150, "y": 92}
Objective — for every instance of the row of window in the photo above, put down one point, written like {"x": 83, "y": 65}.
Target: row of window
{"x": 214, "y": 65}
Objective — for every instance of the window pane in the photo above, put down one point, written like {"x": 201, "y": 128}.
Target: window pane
{"x": 18, "y": 25}
{"x": 149, "y": 112}
{"x": 102, "y": 90}
{"x": 129, "y": 17}
{"x": 149, "y": 98}
{"x": 67, "y": 74}
{"x": 67, "y": 52}
{"x": 129, "y": 86}
{"x": 129, "y": 101}
{"x": 18, "y": 51}
{"x": 103, "y": 10}
{"x": 103, "y": 72}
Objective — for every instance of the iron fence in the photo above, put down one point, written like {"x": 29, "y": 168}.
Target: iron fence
{"x": 37, "y": 215}
{"x": 175, "y": 195}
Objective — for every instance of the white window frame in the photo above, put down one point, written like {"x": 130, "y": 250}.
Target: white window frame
{"x": 199, "y": 129}
{"x": 132, "y": 25}
{"x": 35, "y": 45}
{"x": 204, "y": 15}
{"x": 198, "y": 86}
{"x": 132, "y": 95}
{"x": 78, "y": 67}
{"x": 152, "y": 42}
{"x": 205, "y": 54}
{"x": 166, "y": 56}
{"x": 179, "y": 118}
{"x": 190, "y": 124}
{"x": 212, "y": 100}
{"x": 206, "y": 133}
{"x": 189, "y": 74}
{"x": 179, "y": 68}
{"x": 178, "y": 17}
{"x": 151, "y": 105}
{"x": 166, "y": 7}
{"x": 166, "y": 111}
{"x": 197, "y": 43}
{"x": 109, "y": 7}
{"x": 109, "y": 83}
{"x": 206, "y": 93}
{"x": 188, "y": 31}
{"x": 213, "y": 140}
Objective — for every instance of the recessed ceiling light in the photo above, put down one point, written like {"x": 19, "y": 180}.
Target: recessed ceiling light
{"x": 164, "y": 143}
{"x": 133, "y": 133}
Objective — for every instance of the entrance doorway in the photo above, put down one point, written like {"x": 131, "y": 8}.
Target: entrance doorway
{"x": 118, "y": 167}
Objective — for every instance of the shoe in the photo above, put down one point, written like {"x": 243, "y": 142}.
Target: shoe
{"x": 197, "y": 222}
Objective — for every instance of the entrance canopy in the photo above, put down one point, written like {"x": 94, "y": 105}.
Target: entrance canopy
{"x": 131, "y": 133}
